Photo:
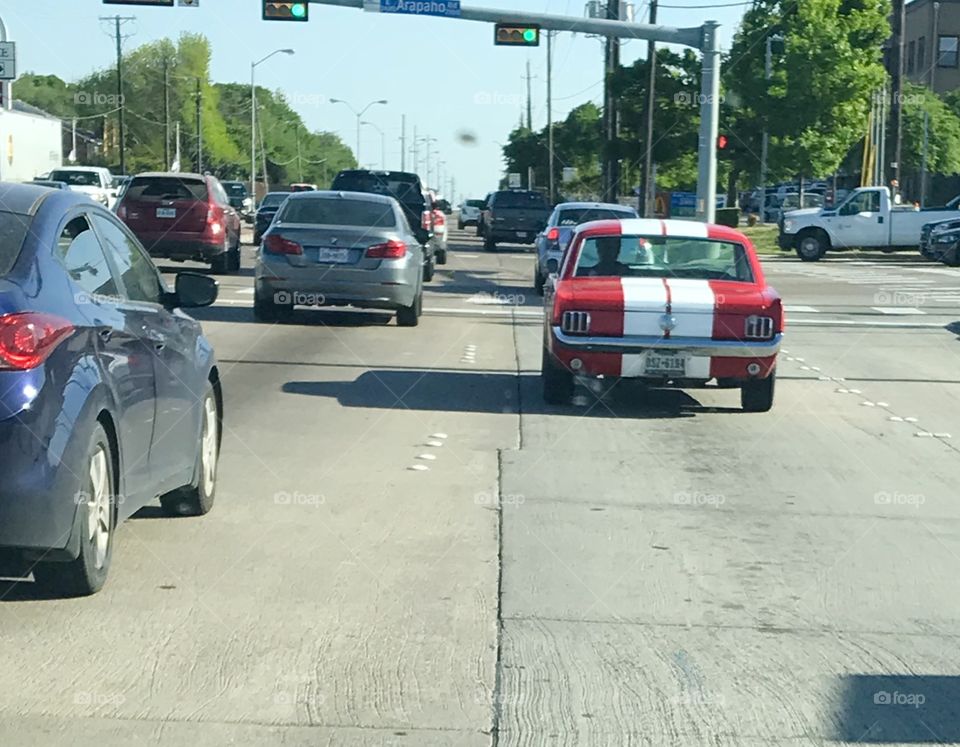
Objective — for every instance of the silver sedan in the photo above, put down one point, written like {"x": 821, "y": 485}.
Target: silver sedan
{"x": 340, "y": 249}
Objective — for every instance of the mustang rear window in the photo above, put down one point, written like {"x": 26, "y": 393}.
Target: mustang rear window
{"x": 667, "y": 257}
{"x": 328, "y": 211}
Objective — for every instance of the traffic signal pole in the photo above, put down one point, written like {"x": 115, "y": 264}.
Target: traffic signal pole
{"x": 705, "y": 38}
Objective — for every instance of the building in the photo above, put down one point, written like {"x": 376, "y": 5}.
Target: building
{"x": 31, "y": 143}
{"x": 932, "y": 44}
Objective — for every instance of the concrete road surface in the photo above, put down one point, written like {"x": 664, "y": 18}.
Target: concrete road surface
{"x": 410, "y": 548}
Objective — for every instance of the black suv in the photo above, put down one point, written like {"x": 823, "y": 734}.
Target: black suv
{"x": 408, "y": 191}
{"x": 515, "y": 215}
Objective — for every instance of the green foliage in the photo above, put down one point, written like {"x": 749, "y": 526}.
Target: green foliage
{"x": 943, "y": 130}
{"x": 225, "y": 116}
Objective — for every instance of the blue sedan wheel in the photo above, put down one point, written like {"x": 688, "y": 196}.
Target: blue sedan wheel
{"x": 97, "y": 519}
{"x": 197, "y": 500}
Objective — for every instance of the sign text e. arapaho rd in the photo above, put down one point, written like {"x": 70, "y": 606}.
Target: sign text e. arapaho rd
{"x": 8, "y": 60}
{"x": 442, "y": 8}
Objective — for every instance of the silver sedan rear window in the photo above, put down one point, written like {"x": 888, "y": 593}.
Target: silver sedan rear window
{"x": 339, "y": 212}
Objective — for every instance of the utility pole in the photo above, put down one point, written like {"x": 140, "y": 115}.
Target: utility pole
{"x": 166, "y": 114}
{"x": 117, "y": 21}
{"x": 610, "y": 110}
{"x": 923, "y": 162}
{"x": 550, "y": 158}
{"x": 199, "y": 130}
{"x": 299, "y": 155}
{"x": 529, "y": 99}
{"x": 897, "y": 25}
{"x": 649, "y": 193}
{"x": 403, "y": 142}
{"x": 765, "y": 142}
{"x": 416, "y": 161}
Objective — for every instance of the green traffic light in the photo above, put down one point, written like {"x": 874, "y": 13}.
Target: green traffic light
{"x": 530, "y": 35}
{"x": 299, "y": 10}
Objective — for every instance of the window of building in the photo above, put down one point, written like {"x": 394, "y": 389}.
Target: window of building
{"x": 948, "y": 48}
{"x": 911, "y": 51}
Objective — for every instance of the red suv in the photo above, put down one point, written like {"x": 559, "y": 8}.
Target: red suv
{"x": 183, "y": 217}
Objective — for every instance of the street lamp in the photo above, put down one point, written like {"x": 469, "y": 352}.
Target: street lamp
{"x": 428, "y": 140}
{"x": 253, "y": 121}
{"x": 383, "y": 144}
{"x": 359, "y": 116}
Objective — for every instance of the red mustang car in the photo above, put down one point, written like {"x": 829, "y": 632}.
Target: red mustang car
{"x": 672, "y": 303}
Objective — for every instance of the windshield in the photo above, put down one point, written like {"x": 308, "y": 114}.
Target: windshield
{"x": 235, "y": 189}
{"x": 331, "y": 211}
{"x": 405, "y": 189}
{"x": 76, "y": 178}
{"x": 474, "y": 203}
{"x": 662, "y": 257}
{"x": 576, "y": 216}
{"x": 274, "y": 199}
{"x": 156, "y": 189}
{"x": 532, "y": 200}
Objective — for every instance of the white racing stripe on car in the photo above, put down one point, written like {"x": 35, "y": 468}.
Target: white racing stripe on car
{"x": 693, "y": 304}
{"x": 641, "y": 227}
{"x": 692, "y": 229}
{"x": 644, "y": 302}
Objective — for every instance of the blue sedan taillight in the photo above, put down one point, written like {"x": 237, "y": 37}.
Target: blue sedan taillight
{"x": 28, "y": 338}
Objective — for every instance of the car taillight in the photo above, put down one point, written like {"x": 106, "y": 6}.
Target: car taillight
{"x": 426, "y": 220}
{"x": 276, "y": 244}
{"x": 392, "y": 249}
{"x": 27, "y": 339}
{"x": 575, "y": 322}
{"x": 213, "y": 220}
{"x": 553, "y": 234}
{"x": 759, "y": 328}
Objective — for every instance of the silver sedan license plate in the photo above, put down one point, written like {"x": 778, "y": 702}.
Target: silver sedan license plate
{"x": 665, "y": 364}
{"x": 332, "y": 255}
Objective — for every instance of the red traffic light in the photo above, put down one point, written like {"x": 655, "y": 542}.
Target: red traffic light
{"x": 722, "y": 142}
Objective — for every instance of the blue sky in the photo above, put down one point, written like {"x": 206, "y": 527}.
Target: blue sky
{"x": 445, "y": 75}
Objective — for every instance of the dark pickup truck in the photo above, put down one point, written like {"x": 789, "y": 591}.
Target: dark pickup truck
{"x": 513, "y": 215}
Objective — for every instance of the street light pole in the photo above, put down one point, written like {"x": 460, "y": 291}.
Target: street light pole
{"x": 383, "y": 144}
{"x": 253, "y": 120}
{"x": 359, "y": 116}
{"x": 765, "y": 141}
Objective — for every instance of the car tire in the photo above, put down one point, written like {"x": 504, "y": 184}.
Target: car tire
{"x": 442, "y": 257}
{"x": 538, "y": 281}
{"x": 409, "y": 316}
{"x": 197, "y": 500}
{"x": 557, "y": 381}
{"x": 97, "y": 522}
{"x": 757, "y": 395}
{"x": 234, "y": 258}
{"x": 268, "y": 310}
{"x": 429, "y": 269}
{"x": 489, "y": 244}
{"x": 811, "y": 246}
{"x": 220, "y": 264}
{"x": 460, "y": 225}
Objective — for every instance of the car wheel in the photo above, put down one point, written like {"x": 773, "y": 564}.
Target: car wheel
{"x": 221, "y": 263}
{"x": 233, "y": 259}
{"x": 460, "y": 225}
{"x": 97, "y": 520}
{"x": 811, "y": 246}
{"x": 757, "y": 395}
{"x": 428, "y": 270}
{"x": 197, "y": 500}
{"x": 409, "y": 316}
{"x": 557, "y": 381}
{"x": 489, "y": 244}
{"x": 538, "y": 281}
{"x": 268, "y": 310}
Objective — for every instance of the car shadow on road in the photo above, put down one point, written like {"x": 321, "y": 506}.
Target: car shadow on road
{"x": 494, "y": 393}
{"x": 901, "y": 709}
{"x": 301, "y": 317}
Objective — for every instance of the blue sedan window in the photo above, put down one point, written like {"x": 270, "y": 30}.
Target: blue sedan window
{"x": 13, "y": 229}
{"x": 81, "y": 254}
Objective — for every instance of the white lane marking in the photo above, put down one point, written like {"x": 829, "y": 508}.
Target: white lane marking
{"x": 802, "y": 310}
{"x": 434, "y": 444}
{"x": 898, "y": 310}
{"x": 909, "y": 420}
{"x": 418, "y": 467}
{"x": 466, "y": 256}
{"x": 439, "y": 435}
{"x": 895, "y": 419}
{"x": 856, "y": 323}
{"x": 882, "y": 404}
{"x": 868, "y": 404}
{"x": 427, "y": 457}
{"x": 531, "y": 313}
{"x": 244, "y": 291}
{"x": 923, "y": 434}
{"x": 942, "y": 435}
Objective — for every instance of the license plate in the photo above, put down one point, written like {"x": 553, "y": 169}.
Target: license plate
{"x": 332, "y": 255}
{"x": 665, "y": 365}
{"x": 166, "y": 212}
{"x": 522, "y": 234}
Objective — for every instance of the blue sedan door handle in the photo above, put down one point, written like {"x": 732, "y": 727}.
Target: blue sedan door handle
{"x": 106, "y": 334}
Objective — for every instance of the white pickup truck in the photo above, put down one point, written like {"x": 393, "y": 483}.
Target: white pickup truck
{"x": 94, "y": 181}
{"x": 866, "y": 218}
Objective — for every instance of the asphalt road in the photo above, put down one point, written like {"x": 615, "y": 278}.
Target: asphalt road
{"x": 410, "y": 548}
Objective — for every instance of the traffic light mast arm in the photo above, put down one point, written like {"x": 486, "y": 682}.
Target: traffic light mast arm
{"x": 689, "y": 37}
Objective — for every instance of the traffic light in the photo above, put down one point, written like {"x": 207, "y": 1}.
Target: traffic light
{"x": 283, "y": 11}
{"x": 516, "y": 36}
{"x": 721, "y": 141}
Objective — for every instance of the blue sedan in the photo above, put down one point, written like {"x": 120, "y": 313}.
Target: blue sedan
{"x": 560, "y": 226}
{"x": 109, "y": 393}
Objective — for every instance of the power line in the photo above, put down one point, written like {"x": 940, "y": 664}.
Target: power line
{"x": 697, "y": 7}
